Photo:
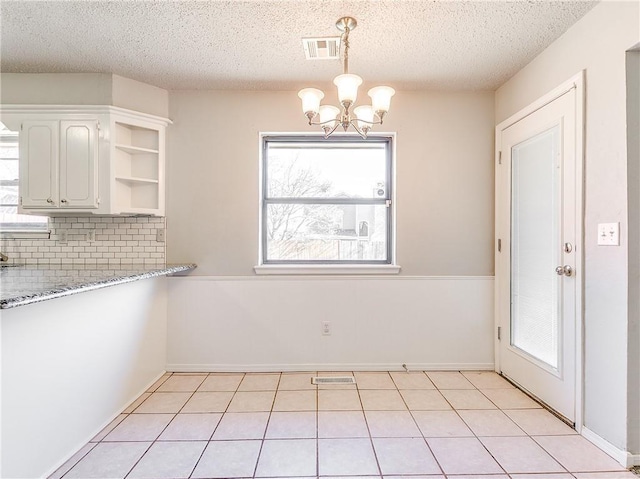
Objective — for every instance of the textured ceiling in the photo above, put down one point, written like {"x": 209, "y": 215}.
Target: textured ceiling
{"x": 257, "y": 44}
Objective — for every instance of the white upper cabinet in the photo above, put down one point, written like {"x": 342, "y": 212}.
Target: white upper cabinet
{"x": 79, "y": 164}
{"x": 59, "y": 164}
{"x": 98, "y": 160}
{"x": 38, "y": 165}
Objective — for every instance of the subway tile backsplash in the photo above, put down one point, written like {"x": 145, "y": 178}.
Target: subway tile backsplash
{"x": 92, "y": 241}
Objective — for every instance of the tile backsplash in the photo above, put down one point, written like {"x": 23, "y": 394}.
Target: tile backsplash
{"x": 92, "y": 241}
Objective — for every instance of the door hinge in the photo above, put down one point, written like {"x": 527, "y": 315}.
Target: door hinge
{"x": 499, "y": 333}
{"x": 499, "y": 157}
{"x": 387, "y": 203}
{"x": 499, "y": 245}
{"x": 21, "y": 201}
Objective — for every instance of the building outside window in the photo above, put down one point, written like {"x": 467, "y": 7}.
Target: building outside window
{"x": 327, "y": 201}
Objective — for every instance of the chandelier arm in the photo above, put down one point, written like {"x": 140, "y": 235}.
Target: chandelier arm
{"x": 363, "y": 134}
{"x": 324, "y": 122}
{"x": 328, "y": 133}
{"x": 365, "y": 121}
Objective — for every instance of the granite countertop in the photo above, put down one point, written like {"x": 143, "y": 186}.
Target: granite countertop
{"x": 22, "y": 285}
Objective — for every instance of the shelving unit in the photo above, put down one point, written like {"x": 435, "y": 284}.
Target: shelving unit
{"x": 138, "y": 167}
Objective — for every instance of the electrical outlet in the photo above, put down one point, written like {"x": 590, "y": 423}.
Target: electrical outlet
{"x": 160, "y": 235}
{"x": 63, "y": 236}
{"x": 326, "y": 328}
{"x": 91, "y": 236}
{"x": 609, "y": 234}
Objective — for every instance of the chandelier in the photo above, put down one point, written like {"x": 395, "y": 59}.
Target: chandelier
{"x": 363, "y": 117}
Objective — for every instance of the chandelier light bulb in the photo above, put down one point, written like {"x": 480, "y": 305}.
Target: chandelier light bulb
{"x": 364, "y": 114}
{"x": 381, "y": 99}
{"x": 347, "y": 87}
{"x": 310, "y": 101}
{"x": 329, "y": 115}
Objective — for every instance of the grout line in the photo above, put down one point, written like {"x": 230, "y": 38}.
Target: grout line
{"x": 264, "y": 434}
{"x": 219, "y": 421}
{"x": 366, "y": 421}
{"x": 140, "y": 459}
{"x": 154, "y": 441}
{"x": 420, "y": 430}
{"x": 93, "y": 445}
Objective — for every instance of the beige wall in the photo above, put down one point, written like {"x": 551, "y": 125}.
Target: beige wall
{"x": 82, "y": 89}
{"x": 444, "y": 169}
{"x": 596, "y": 44}
{"x": 137, "y": 96}
{"x": 55, "y": 89}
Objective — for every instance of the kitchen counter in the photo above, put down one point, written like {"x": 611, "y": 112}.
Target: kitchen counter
{"x": 22, "y": 285}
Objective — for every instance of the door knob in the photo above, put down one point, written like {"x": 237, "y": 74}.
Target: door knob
{"x": 565, "y": 270}
{"x": 49, "y": 200}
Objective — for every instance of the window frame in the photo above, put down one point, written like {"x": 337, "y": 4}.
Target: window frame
{"x": 388, "y": 265}
{"x": 19, "y": 230}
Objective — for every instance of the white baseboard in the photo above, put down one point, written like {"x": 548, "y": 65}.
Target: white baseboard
{"x": 105, "y": 424}
{"x": 263, "y": 368}
{"x": 624, "y": 458}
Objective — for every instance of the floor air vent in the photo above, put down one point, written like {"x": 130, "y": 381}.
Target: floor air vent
{"x": 333, "y": 380}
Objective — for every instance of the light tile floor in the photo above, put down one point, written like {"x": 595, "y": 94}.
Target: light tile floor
{"x": 433, "y": 425}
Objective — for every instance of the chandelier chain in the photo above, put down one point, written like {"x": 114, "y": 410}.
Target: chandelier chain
{"x": 345, "y": 65}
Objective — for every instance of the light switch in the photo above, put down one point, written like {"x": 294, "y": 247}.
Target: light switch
{"x": 609, "y": 234}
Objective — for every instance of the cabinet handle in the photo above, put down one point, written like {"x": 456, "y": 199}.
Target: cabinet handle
{"x": 50, "y": 201}
{"x": 63, "y": 201}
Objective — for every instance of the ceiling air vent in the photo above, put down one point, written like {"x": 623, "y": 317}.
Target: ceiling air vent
{"x": 327, "y": 48}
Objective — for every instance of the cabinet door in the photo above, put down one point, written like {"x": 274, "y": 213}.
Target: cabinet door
{"x": 79, "y": 164}
{"x": 39, "y": 164}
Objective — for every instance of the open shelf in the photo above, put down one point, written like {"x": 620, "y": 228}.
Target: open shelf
{"x": 131, "y": 179}
{"x": 139, "y": 211}
{"x": 137, "y": 196}
{"x": 134, "y": 150}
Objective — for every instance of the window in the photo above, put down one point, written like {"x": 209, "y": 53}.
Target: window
{"x": 326, "y": 201}
{"x": 10, "y": 220}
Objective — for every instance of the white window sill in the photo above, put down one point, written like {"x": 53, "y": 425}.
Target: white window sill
{"x": 324, "y": 269}
{"x": 25, "y": 234}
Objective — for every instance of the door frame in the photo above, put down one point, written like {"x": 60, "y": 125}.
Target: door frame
{"x": 502, "y": 224}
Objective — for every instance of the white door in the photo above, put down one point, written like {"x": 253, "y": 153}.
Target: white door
{"x": 39, "y": 164}
{"x": 538, "y": 265}
{"x": 78, "y": 164}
